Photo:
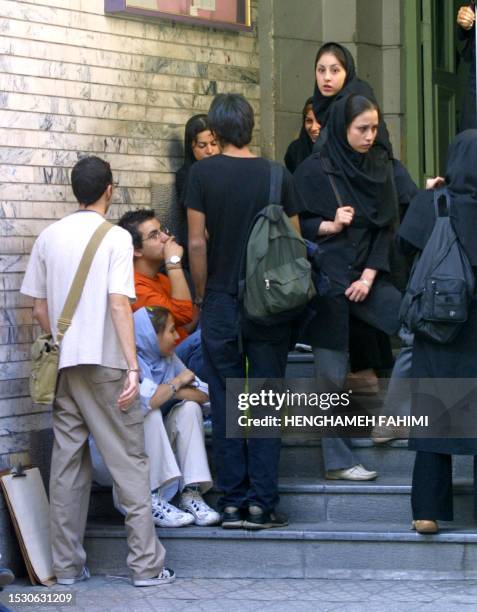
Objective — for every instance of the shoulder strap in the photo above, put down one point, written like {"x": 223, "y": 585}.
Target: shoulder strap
{"x": 276, "y": 179}
{"x": 76, "y": 289}
{"x": 335, "y": 189}
{"x": 442, "y": 202}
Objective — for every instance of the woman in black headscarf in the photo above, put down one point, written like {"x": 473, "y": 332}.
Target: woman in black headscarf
{"x": 351, "y": 208}
{"x": 302, "y": 147}
{"x": 432, "y": 476}
{"x": 199, "y": 143}
{"x": 335, "y": 79}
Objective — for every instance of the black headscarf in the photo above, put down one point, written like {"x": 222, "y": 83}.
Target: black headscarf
{"x": 322, "y": 105}
{"x": 368, "y": 176}
{"x": 302, "y": 147}
{"x": 461, "y": 182}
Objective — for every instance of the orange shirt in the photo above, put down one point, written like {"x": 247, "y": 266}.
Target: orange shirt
{"x": 157, "y": 292}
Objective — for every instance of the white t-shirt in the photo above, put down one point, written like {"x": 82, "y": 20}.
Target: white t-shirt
{"x": 55, "y": 257}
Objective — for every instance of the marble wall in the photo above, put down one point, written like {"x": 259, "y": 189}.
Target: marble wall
{"x": 74, "y": 81}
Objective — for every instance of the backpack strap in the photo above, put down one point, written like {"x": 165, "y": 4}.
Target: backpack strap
{"x": 276, "y": 181}
{"x": 442, "y": 202}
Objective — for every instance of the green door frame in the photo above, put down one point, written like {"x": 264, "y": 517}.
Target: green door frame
{"x": 423, "y": 79}
{"x": 412, "y": 51}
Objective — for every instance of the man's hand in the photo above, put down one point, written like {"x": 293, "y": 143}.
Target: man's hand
{"x": 466, "y": 17}
{"x": 130, "y": 391}
{"x": 172, "y": 248}
{"x": 344, "y": 217}
{"x": 433, "y": 183}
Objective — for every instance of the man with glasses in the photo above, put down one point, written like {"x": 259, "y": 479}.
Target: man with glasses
{"x": 98, "y": 382}
{"x": 155, "y": 249}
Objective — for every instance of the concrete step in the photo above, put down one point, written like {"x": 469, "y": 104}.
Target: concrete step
{"x": 301, "y": 550}
{"x": 303, "y": 459}
{"x": 384, "y": 500}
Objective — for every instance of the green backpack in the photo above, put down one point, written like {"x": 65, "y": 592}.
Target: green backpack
{"x": 276, "y": 281}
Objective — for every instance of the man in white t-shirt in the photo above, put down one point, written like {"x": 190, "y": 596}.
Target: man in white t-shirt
{"x": 98, "y": 382}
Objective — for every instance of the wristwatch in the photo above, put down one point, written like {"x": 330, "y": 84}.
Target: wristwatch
{"x": 173, "y": 259}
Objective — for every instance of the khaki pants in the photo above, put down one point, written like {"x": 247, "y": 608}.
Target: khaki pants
{"x": 176, "y": 447}
{"x": 86, "y": 402}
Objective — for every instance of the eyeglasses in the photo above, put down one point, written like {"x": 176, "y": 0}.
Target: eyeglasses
{"x": 156, "y": 234}
{"x": 115, "y": 184}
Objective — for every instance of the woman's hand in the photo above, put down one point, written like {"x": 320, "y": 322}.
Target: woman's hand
{"x": 465, "y": 17}
{"x": 186, "y": 377}
{"x": 344, "y": 217}
{"x": 434, "y": 183}
{"x": 358, "y": 291}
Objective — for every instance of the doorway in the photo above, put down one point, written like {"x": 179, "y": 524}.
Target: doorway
{"x": 435, "y": 82}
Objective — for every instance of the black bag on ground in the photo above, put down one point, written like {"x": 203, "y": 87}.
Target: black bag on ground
{"x": 276, "y": 279}
{"x": 441, "y": 285}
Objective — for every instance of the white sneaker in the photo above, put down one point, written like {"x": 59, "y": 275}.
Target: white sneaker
{"x": 165, "y": 577}
{"x": 193, "y": 503}
{"x": 357, "y": 472}
{"x": 83, "y": 576}
{"x": 165, "y": 514}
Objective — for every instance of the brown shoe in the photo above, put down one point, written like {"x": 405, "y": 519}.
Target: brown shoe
{"x": 422, "y": 526}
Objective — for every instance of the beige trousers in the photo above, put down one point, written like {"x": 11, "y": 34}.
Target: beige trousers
{"x": 176, "y": 448}
{"x": 86, "y": 402}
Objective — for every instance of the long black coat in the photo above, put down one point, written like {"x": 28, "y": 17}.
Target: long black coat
{"x": 468, "y": 118}
{"x": 345, "y": 255}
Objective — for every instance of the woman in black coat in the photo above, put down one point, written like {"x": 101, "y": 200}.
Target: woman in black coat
{"x": 432, "y": 476}
{"x": 335, "y": 79}
{"x": 351, "y": 209}
{"x": 302, "y": 147}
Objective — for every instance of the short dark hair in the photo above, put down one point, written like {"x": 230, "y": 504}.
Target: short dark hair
{"x": 131, "y": 221}
{"x": 194, "y": 126}
{"x": 158, "y": 316}
{"x": 90, "y": 178}
{"x": 231, "y": 119}
{"x": 357, "y": 104}
{"x": 333, "y": 49}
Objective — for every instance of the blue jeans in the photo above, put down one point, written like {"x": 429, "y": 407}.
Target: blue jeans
{"x": 189, "y": 352}
{"x": 247, "y": 470}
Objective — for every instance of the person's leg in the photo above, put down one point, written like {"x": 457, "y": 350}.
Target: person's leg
{"x": 70, "y": 481}
{"x": 331, "y": 366}
{"x": 119, "y": 436}
{"x": 186, "y": 434}
{"x": 267, "y": 351}
{"x": 431, "y": 497}
{"x": 163, "y": 468}
{"x": 223, "y": 360}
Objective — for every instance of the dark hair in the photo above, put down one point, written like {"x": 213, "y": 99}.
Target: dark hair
{"x": 158, "y": 317}
{"x": 231, "y": 119}
{"x": 308, "y": 106}
{"x": 335, "y": 50}
{"x": 131, "y": 221}
{"x": 90, "y": 178}
{"x": 357, "y": 104}
{"x": 195, "y": 125}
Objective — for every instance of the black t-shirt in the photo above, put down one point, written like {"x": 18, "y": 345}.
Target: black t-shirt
{"x": 230, "y": 191}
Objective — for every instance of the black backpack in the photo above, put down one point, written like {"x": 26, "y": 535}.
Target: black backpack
{"x": 276, "y": 282}
{"x": 441, "y": 285}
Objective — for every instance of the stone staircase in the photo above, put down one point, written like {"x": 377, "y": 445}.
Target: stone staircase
{"x": 337, "y": 529}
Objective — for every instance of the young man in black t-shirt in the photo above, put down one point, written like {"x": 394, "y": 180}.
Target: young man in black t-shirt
{"x": 224, "y": 194}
